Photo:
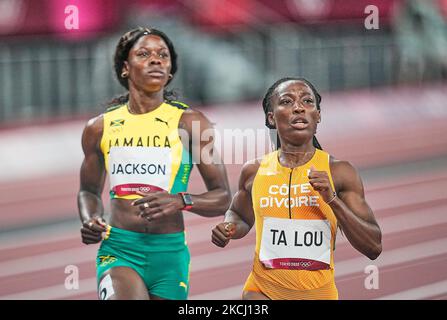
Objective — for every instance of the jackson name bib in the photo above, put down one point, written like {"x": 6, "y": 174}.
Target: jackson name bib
{"x": 139, "y": 169}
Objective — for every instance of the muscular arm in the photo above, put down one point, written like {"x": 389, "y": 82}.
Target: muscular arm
{"x": 239, "y": 219}
{"x": 353, "y": 212}
{"x": 216, "y": 200}
{"x": 92, "y": 173}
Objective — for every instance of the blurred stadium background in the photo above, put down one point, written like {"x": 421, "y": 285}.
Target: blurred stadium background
{"x": 384, "y": 109}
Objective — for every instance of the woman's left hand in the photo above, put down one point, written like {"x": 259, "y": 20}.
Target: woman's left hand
{"x": 156, "y": 205}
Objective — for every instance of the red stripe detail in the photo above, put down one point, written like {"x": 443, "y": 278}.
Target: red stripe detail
{"x": 295, "y": 264}
{"x": 132, "y": 188}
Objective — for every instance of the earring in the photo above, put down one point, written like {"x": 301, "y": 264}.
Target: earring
{"x": 170, "y": 76}
{"x": 124, "y": 74}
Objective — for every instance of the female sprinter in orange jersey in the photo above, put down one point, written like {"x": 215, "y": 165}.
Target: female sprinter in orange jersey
{"x": 297, "y": 196}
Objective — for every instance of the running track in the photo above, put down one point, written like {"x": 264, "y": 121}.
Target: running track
{"x": 410, "y": 206}
{"x": 412, "y": 264}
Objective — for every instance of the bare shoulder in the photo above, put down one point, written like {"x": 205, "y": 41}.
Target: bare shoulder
{"x": 344, "y": 174}
{"x": 251, "y": 166}
{"x": 194, "y": 114}
{"x": 190, "y": 115}
{"x": 248, "y": 173}
{"x": 341, "y": 165}
{"x": 95, "y": 125}
{"x": 93, "y": 132}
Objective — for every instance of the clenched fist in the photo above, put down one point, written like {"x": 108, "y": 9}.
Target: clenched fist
{"x": 222, "y": 233}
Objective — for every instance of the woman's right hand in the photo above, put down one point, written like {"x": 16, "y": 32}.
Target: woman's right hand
{"x": 222, "y": 233}
{"x": 92, "y": 229}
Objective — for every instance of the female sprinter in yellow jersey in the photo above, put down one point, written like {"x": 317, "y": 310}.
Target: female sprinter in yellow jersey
{"x": 297, "y": 196}
{"x": 143, "y": 253}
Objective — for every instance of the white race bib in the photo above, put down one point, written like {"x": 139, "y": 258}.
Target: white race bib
{"x": 105, "y": 289}
{"x": 296, "y": 244}
{"x": 144, "y": 169}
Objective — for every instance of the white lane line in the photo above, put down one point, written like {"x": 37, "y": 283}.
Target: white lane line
{"x": 49, "y": 260}
{"x": 380, "y": 199}
{"x": 351, "y": 266}
{"x": 40, "y": 235}
{"x": 196, "y": 234}
{"x": 242, "y": 254}
{"x": 419, "y": 293}
{"x": 54, "y": 292}
{"x": 387, "y": 258}
{"x": 70, "y": 230}
{"x": 412, "y": 220}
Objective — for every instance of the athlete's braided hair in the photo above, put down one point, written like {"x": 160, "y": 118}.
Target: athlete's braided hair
{"x": 267, "y": 106}
{"x": 123, "y": 47}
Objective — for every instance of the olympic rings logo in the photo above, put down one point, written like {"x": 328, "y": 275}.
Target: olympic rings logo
{"x": 306, "y": 264}
{"x": 145, "y": 189}
{"x": 105, "y": 260}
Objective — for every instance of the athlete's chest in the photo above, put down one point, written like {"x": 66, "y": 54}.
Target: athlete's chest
{"x": 154, "y": 131}
{"x": 287, "y": 194}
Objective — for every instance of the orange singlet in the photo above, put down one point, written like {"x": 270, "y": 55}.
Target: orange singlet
{"x": 295, "y": 232}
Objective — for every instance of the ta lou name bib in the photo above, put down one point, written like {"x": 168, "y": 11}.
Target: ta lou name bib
{"x": 133, "y": 169}
{"x": 296, "y": 244}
